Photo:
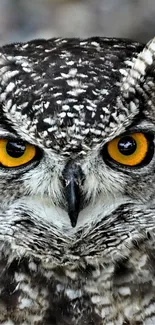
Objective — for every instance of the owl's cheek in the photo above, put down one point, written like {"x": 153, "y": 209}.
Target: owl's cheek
{"x": 41, "y": 210}
{"x": 141, "y": 189}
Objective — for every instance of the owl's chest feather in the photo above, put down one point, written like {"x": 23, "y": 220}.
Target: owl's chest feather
{"x": 119, "y": 294}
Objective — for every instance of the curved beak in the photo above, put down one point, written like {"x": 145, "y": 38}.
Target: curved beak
{"x": 73, "y": 177}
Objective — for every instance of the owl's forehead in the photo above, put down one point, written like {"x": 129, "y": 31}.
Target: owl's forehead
{"x": 65, "y": 93}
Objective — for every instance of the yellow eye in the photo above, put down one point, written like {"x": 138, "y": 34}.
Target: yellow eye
{"x": 14, "y": 153}
{"x": 129, "y": 150}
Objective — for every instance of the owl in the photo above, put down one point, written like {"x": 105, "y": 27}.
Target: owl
{"x": 77, "y": 182}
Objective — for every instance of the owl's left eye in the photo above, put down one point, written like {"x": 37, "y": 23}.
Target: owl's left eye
{"x": 129, "y": 150}
{"x": 15, "y": 153}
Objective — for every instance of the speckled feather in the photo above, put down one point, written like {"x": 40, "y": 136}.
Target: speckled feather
{"x": 70, "y": 97}
{"x": 63, "y": 91}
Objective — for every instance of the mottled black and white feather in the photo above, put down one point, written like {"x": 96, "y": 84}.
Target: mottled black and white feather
{"x": 69, "y": 97}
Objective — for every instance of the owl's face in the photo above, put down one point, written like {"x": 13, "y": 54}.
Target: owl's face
{"x": 77, "y": 137}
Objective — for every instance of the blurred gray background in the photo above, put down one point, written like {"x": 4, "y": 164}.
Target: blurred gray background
{"x": 22, "y": 20}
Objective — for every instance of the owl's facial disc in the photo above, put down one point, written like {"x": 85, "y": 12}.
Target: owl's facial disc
{"x": 73, "y": 177}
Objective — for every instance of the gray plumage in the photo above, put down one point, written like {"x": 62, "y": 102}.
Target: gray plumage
{"x": 70, "y": 97}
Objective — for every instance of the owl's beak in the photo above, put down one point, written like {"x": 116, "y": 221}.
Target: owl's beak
{"x": 73, "y": 176}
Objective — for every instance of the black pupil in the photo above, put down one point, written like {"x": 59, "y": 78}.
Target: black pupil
{"x": 127, "y": 145}
{"x": 15, "y": 149}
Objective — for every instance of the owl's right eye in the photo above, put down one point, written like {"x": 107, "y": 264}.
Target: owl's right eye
{"x": 15, "y": 153}
{"x": 130, "y": 150}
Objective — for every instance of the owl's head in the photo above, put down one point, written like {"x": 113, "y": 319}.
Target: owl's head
{"x": 77, "y": 137}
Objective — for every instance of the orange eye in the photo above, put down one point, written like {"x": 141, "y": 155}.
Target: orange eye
{"x": 129, "y": 150}
{"x": 14, "y": 153}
